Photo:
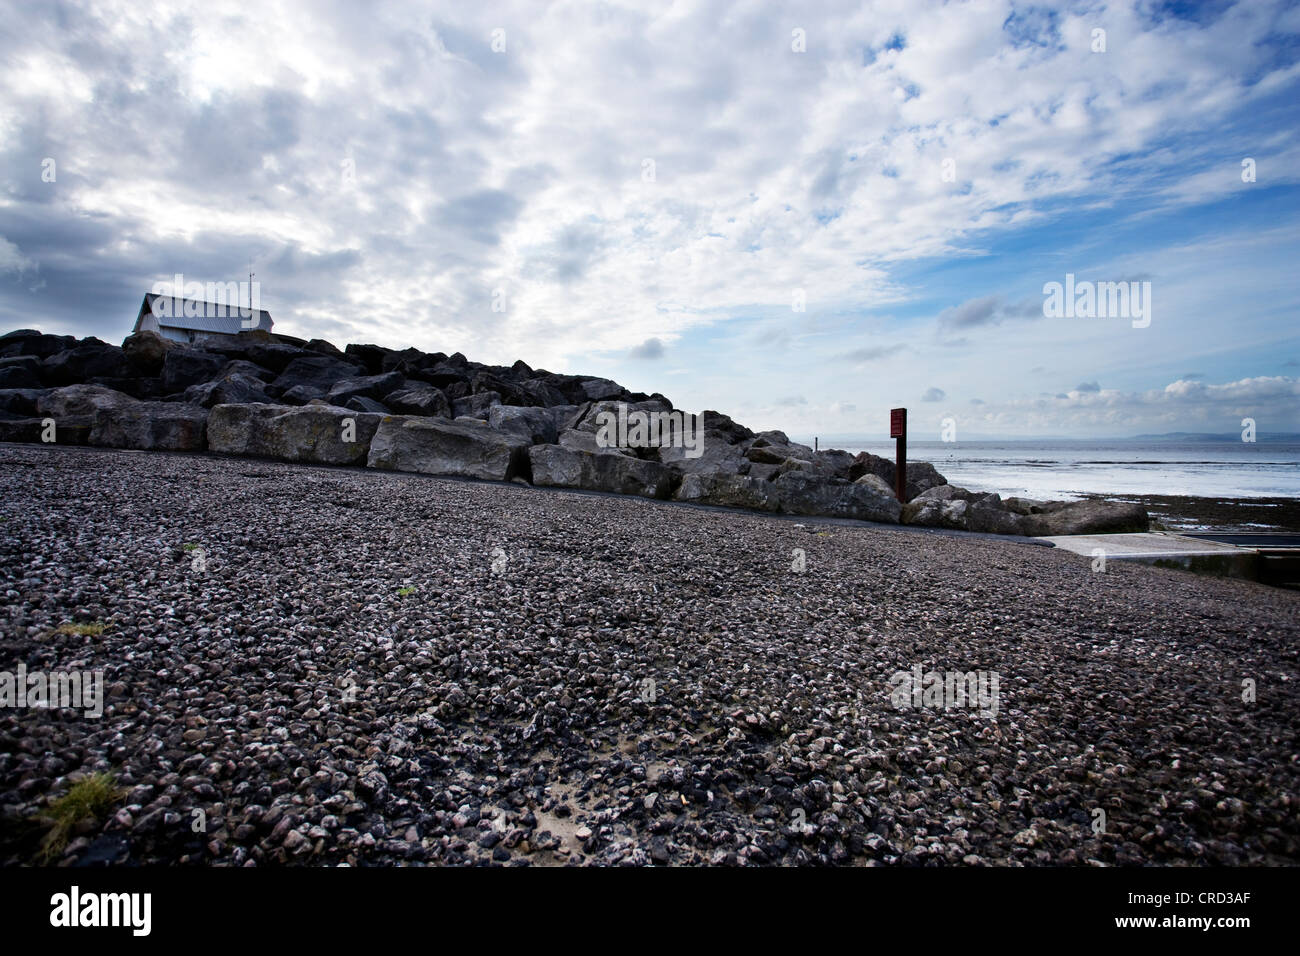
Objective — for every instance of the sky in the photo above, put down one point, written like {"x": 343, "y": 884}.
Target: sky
{"x": 798, "y": 214}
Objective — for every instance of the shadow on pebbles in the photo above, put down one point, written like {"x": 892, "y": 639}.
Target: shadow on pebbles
{"x": 321, "y": 666}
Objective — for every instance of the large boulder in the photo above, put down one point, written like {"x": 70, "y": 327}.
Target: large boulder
{"x": 717, "y": 456}
{"x": 774, "y": 447}
{"x": 145, "y": 351}
{"x": 32, "y": 342}
{"x": 433, "y": 446}
{"x": 557, "y": 466}
{"x": 359, "y": 403}
{"x": 878, "y": 484}
{"x": 20, "y": 371}
{"x": 369, "y": 357}
{"x": 535, "y": 424}
{"x": 732, "y": 431}
{"x": 406, "y": 361}
{"x": 921, "y": 475}
{"x": 596, "y": 389}
{"x": 319, "y": 372}
{"x": 577, "y": 440}
{"x": 276, "y": 356}
{"x": 595, "y": 415}
{"x": 540, "y": 392}
{"x": 322, "y": 347}
{"x": 475, "y": 406}
{"x": 947, "y": 492}
{"x": 834, "y": 461}
{"x": 441, "y": 375}
{"x": 233, "y": 386}
{"x": 366, "y": 386}
{"x": 1092, "y": 516}
{"x": 419, "y": 399}
{"x": 1023, "y": 506}
{"x": 803, "y": 494}
{"x": 815, "y": 466}
{"x": 989, "y": 514}
{"x": 302, "y": 395}
{"x": 19, "y": 402}
{"x": 185, "y": 367}
{"x": 936, "y": 513}
{"x": 90, "y": 358}
{"x": 323, "y": 434}
{"x": 509, "y": 391}
{"x": 117, "y": 420}
{"x": 728, "y": 491}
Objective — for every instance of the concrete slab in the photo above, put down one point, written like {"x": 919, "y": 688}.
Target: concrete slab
{"x": 1164, "y": 550}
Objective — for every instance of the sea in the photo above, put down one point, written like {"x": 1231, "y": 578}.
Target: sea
{"x": 1068, "y": 469}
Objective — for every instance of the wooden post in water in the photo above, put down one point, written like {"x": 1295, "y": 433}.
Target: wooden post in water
{"x": 898, "y": 430}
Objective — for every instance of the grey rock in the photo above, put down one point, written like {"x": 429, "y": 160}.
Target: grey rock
{"x": 367, "y": 386}
{"x": 117, "y": 420}
{"x": 878, "y": 484}
{"x": 145, "y": 351}
{"x": 437, "y": 447}
{"x": 558, "y": 466}
{"x": 577, "y": 440}
{"x": 90, "y": 358}
{"x": 185, "y": 367}
{"x": 596, "y": 389}
{"x": 311, "y": 433}
{"x": 475, "y": 406}
{"x": 232, "y": 387}
{"x": 535, "y": 424}
{"x": 318, "y": 371}
{"x": 804, "y": 494}
{"x": 20, "y": 372}
{"x": 20, "y": 401}
{"x": 730, "y": 491}
{"x": 1089, "y": 517}
{"x": 717, "y": 456}
{"x": 302, "y": 394}
{"x": 360, "y": 403}
{"x": 988, "y": 514}
{"x": 421, "y": 399}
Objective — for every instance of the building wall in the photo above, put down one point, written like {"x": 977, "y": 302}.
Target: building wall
{"x": 194, "y": 337}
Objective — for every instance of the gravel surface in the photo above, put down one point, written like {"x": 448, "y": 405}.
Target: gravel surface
{"x": 359, "y": 675}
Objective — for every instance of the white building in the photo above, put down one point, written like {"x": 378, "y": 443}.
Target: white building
{"x": 192, "y": 321}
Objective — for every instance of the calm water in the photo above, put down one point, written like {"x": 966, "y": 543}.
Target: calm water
{"x": 1066, "y": 469}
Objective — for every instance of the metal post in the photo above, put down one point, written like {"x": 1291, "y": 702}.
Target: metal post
{"x": 898, "y": 431}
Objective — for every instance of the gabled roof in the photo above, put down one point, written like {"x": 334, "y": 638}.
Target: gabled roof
{"x": 212, "y": 316}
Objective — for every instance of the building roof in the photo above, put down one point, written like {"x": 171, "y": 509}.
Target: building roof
{"x": 212, "y": 317}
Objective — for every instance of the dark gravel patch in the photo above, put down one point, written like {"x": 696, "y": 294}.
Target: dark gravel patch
{"x": 500, "y": 711}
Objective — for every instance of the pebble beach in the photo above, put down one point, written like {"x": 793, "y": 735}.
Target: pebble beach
{"x": 340, "y": 666}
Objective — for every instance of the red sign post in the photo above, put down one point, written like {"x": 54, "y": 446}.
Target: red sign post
{"x": 898, "y": 430}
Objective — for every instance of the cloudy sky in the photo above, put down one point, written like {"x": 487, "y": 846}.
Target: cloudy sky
{"x": 801, "y": 217}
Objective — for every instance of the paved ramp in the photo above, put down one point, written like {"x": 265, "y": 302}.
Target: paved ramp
{"x": 1167, "y": 551}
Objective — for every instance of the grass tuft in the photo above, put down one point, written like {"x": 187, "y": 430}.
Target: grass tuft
{"x": 93, "y": 629}
{"x": 88, "y": 799}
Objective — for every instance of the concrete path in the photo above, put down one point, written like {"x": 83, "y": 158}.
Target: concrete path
{"x": 1164, "y": 550}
